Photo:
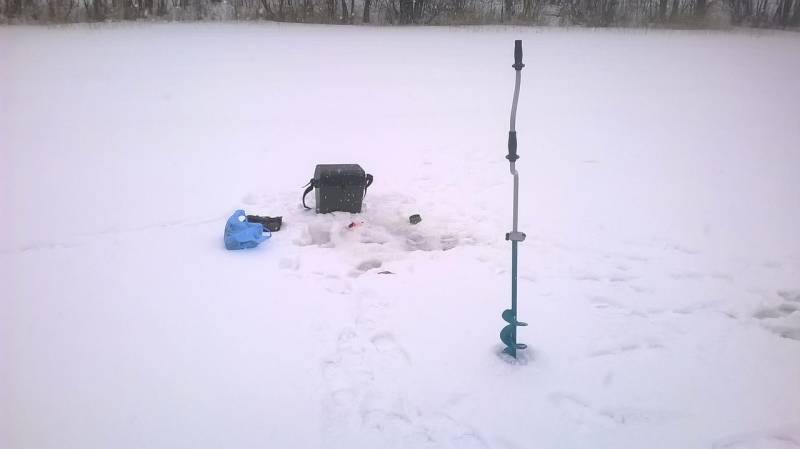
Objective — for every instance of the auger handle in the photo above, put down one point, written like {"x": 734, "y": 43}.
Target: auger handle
{"x": 518, "y": 65}
{"x": 512, "y": 133}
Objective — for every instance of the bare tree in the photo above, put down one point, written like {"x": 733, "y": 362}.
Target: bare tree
{"x": 406, "y": 11}
{"x": 662, "y": 10}
{"x": 782, "y": 17}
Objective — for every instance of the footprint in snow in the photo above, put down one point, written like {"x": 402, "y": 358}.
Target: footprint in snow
{"x": 685, "y": 249}
{"x": 686, "y": 275}
{"x": 338, "y": 286}
{"x": 621, "y": 349}
{"x": 582, "y": 412}
{"x": 344, "y": 397}
{"x": 386, "y": 344}
{"x": 787, "y": 439}
{"x": 443, "y": 427}
{"x": 289, "y": 263}
{"x": 347, "y": 342}
{"x": 779, "y": 311}
{"x": 790, "y": 295}
{"x": 369, "y": 264}
{"x": 782, "y": 319}
{"x": 790, "y": 332}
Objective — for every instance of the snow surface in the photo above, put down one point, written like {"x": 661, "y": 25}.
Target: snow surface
{"x": 661, "y": 275}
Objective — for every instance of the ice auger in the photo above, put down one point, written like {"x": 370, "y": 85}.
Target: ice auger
{"x": 509, "y": 333}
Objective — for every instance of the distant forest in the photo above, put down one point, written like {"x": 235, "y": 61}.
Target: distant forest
{"x": 592, "y": 13}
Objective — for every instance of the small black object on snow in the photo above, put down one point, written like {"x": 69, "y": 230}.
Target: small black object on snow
{"x": 271, "y": 223}
{"x": 414, "y": 219}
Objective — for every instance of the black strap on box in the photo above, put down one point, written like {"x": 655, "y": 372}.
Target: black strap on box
{"x": 309, "y": 187}
{"x": 369, "y": 183}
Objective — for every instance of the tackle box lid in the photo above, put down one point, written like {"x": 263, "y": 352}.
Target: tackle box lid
{"x": 339, "y": 174}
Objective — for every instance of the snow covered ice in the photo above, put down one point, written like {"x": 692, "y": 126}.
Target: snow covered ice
{"x": 660, "y": 278}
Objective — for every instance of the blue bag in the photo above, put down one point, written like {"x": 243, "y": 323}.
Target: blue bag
{"x": 241, "y": 234}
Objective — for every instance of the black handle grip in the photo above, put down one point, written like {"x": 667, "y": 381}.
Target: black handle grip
{"x": 518, "y": 65}
{"x": 512, "y": 146}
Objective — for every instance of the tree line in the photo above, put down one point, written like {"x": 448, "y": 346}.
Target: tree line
{"x": 596, "y": 13}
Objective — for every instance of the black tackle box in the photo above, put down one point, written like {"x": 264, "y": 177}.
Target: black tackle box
{"x": 339, "y": 187}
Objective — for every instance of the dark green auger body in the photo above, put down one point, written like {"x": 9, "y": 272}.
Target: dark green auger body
{"x": 509, "y": 333}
